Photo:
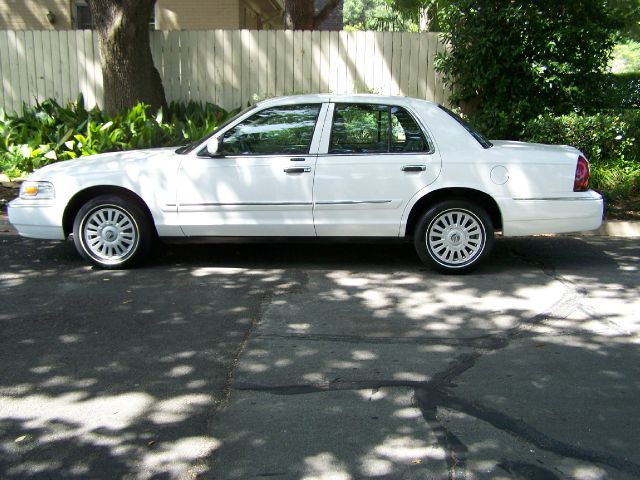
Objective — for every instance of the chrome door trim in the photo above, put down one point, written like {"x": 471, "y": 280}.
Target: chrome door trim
{"x": 351, "y": 202}
{"x": 241, "y": 204}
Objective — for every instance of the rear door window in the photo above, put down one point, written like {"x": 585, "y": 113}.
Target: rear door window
{"x": 365, "y": 129}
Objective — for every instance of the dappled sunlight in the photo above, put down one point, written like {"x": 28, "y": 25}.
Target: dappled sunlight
{"x": 359, "y": 326}
{"x": 325, "y": 466}
{"x": 386, "y": 295}
{"x": 75, "y": 409}
{"x": 361, "y": 363}
{"x": 174, "y": 458}
{"x": 405, "y": 449}
{"x": 590, "y": 473}
{"x": 227, "y": 67}
{"x": 178, "y": 409}
{"x": 112, "y": 364}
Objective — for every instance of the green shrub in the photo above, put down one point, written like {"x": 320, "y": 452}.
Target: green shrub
{"x": 615, "y": 182}
{"x": 616, "y": 91}
{"x": 512, "y": 60}
{"x": 49, "y": 132}
{"x": 605, "y": 139}
{"x": 610, "y": 141}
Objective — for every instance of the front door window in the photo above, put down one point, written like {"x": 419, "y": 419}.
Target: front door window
{"x": 274, "y": 131}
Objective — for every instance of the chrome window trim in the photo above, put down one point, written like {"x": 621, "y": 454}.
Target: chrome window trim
{"x": 321, "y": 155}
{"x": 306, "y": 156}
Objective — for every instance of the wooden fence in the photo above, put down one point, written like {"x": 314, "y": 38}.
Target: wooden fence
{"x": 227, "y": 67}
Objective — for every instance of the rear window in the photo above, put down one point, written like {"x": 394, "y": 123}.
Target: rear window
{"x": 474, "y": 133}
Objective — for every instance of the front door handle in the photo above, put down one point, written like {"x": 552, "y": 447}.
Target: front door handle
{"x": 297, "y": 170}
{"x": 414, "y": 168}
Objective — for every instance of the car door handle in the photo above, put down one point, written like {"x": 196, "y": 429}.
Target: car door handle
{"x": 414, "y": 168}
{"x": 297, "y": 170}
{"x": 298, "y": 159}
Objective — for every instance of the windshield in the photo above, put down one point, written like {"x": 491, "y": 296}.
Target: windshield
{"x": 481, "y": 140}
{"x": 191, "y": 146}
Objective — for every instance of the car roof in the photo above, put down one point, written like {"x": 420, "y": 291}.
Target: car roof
{"x": 342, "y": 98}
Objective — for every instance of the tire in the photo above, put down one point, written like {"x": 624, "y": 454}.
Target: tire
{"x": 454, "y": 236}
{"x": 112, "y": 232}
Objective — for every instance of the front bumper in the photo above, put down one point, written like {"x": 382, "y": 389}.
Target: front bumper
{"x": 36, "y": 219}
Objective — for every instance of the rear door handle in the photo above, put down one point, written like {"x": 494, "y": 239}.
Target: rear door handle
{"x": 298, "y": 159}
{"x": 414, "y": 168}
{"x": 297, "y": 170}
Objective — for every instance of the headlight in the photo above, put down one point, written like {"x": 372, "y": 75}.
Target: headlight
{"x": 37, "y": 191}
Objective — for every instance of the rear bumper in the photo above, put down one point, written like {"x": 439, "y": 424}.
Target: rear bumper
{"x": 534, "y": 216}
{"x": 36, "y": 219}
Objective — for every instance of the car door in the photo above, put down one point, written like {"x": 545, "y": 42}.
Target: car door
{"x": 372, "y": 160}
{"x": 259, "y": 183}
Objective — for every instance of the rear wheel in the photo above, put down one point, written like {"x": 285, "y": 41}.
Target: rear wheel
{"x": 454, "y": 236}
{"x": 112, "y": 232}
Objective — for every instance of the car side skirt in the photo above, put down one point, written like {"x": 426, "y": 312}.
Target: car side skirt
{"x": 288, "y": 240}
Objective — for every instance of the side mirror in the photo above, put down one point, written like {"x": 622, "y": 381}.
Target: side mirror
{"x": 213, "y": 146}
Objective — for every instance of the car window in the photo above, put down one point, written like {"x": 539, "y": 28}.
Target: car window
{"x": 359, "y": 128}
{"x": 183, "y": 150}
{"x": 406, "y": 136}
{"x": 283, "y": 130}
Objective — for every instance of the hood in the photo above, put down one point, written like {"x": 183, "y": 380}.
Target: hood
{"x": 103, "y": 163}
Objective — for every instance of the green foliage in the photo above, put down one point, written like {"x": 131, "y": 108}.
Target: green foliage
{"x": 512, "y": 60}
{"x": 426, "y": 13}
{"x": 626, "y": 14}
{"x": 604, "y": 139}
{"x": 615, "y": 182}
{"x": 378, "y": 15}
{"x": 626, "y": 57}
{"x": 616, "y": 91}
{"x": 49, "y": 132}
{"x": 611, "y": 142}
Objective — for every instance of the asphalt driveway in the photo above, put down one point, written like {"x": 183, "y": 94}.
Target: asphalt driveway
{"x": 321, "y": 362}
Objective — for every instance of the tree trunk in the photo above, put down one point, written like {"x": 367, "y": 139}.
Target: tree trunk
{"x": 301, "y": 14}
{"x": 128, "y": 72}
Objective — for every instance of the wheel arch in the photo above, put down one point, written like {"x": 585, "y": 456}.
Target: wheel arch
{"x": 477, "y": 197}
{"x": 79, "y": 199}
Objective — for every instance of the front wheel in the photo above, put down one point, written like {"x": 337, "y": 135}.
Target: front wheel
{"x": 112, "y": 232}
{"x": 454, "y": 236}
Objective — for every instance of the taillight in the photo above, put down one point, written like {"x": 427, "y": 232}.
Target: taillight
{"x": 581, "y": 182}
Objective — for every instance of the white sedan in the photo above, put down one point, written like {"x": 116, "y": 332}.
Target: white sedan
{"x": 316, "y": 166}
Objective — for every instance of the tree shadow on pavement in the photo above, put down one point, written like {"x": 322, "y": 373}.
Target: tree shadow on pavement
{"x": 298, "y": 361}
